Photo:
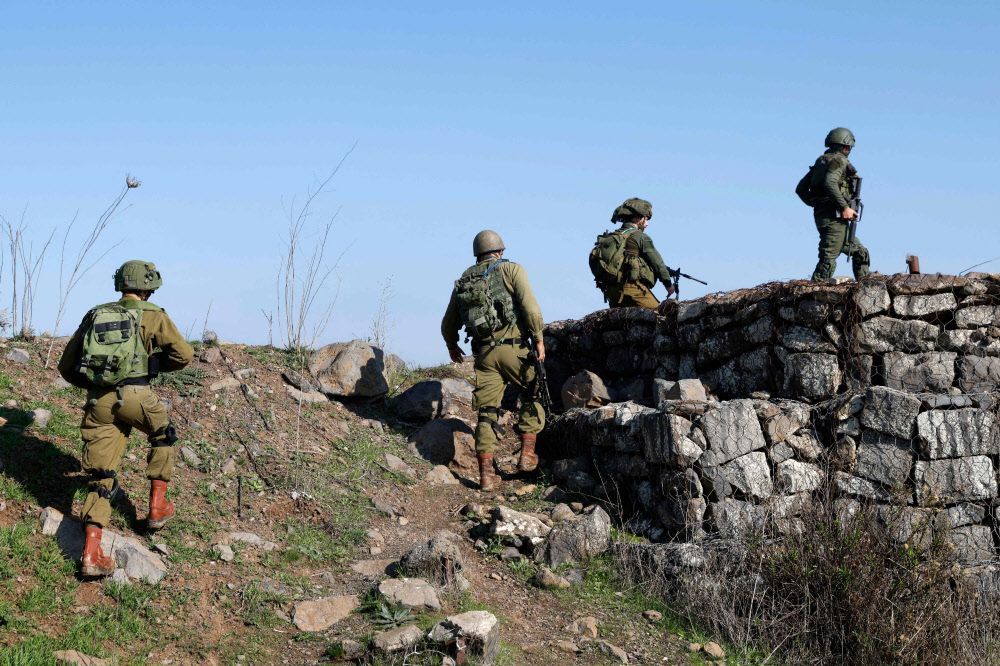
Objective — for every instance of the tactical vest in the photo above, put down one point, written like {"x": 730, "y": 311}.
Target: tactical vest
{"x": 485, "y": 305}
{"x": 811, "y": 188}
{"x": 113, "y": 350}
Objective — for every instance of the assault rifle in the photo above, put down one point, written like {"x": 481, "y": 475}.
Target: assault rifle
{"x": 855, "y": 203}
{"x": 540, "y": 391}
{"x": 676, "y": 275}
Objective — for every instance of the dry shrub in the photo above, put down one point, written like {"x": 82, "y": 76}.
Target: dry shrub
{"x": 831, "y": 592}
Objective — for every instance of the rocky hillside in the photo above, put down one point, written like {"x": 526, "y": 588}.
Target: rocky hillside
{"x": 309, "y": 529}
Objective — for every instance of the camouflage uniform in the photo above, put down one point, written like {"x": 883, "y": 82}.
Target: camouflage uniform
{"x": 642, "y": 267}
{"x": 830, "y": 179}
{"x": 112, "y": 413}
{"x": 505, "y": 360}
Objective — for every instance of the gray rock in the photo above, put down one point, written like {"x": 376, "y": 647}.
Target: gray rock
{"x": 211, "y": 355}
{"x": 735, "y": 518}
{"x": 929, "y": 371}
{"x": 617, "y": 654}
{"x": 802, "y": 339}
{"x": 812, "y": 375}
{"x": 415, "y": 593}
{"x": 922, "y": 306}
{"x": 350, "y": 369}
{"x": 925, "y": 283}
{"x": 76, "y": 658}
{"x": 547, "y": 580}
{"x": 750, "y": 475}
{"x": 398, "y": 639}
{"x": 475, "y": 633}
{"x": 976, "y": 342}
{"x": 373, "y": 568}
{"x": 732, "y": 430}
{"x": 448, "y": 442}
{"x": 440, "y": 475}
{"x": 439, "y": 559}
{"x": 306, "y": 397}
{"x": 792, "y": 417}
{"x": 740, "y": 376}
{"x": 883, "y": 334}
{"x": 510, "y": 523}
{"x": 433, "y": 399}
{"x": 805, "y": 444}
{"x": 972, "y": 543}
{"x": 301, "y": 381}
{"x": 190, "y": 457}
{"x": 965, "y": 514}
{"x": 396, "y": 464}
{"x": 890, "y": 411}
{"x": 18, "y": 355}
{"x": 225, "y": 384}
{"x": 883, "y": 459}
{"x": 855, "y": 486}
{"x": 957, "y": 433}
{"x": 321, "y": 614}
{"x": 871, "y": 297}
{"x": 561, "y": 512}
{"x": 665, "y": 439}
{"x": 40, "y": 417}
{"x": 580, "y": 538}
{"x": 661, "y": 389}
{"x": 798, "y": 477}
{"x": 779, "y": 453}
{"x": 955, "y": 480}
{"x": 584, "y": 389}
{"x": 979, "y": 375}
{"x": 978, "y": 315}
{"x": 251, "y": 539}
{"x": 224, "y": 551}
{"x": 688, "y": 389}
{"x": 130, "y": 554}
{"x": 60, "y": 383}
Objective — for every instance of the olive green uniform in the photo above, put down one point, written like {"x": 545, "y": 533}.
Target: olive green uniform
{"x": 830, "y": 178}
{"x": 642, "y": 267}
{"x": 507, "y": 359}
{"x": 112, "y": 413}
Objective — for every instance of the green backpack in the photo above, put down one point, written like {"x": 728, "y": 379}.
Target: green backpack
{"x": 607, "y": 257}
{"x": 484, "y": 303}
{"x": 113, "y": 350}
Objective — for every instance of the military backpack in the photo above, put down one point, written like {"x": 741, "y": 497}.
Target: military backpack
{"x": 484, "y": 302}
{"x": 608, "y": 256}
{"x": 804, "y": 188}
{"x": 113, "y": 350}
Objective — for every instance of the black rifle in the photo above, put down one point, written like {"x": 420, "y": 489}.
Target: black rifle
{"x": 855, "y": 203}
{"x": 540, "y": 391}
{"x": 676, "y": 275}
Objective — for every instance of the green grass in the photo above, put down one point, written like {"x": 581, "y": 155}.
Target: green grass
{"x": 257, "y": 606}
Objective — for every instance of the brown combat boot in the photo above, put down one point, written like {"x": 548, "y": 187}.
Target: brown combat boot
{"x": 160, "y": 510}
{"x": 487, "y": 477}
{"x": 95, "y": 563}
{"x": 528, "y": 460}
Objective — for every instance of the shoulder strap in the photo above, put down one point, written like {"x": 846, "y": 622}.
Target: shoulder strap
{"x": 496, "y": 263}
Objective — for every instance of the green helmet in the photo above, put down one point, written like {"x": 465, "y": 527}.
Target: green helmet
{"x": 840, "y": 136}
{"x": 634, "y": 207}
{"x": 487, "y": 241}
{"x": 137, "y": 275}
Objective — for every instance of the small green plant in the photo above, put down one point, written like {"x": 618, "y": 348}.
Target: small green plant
{"x": 186, "y": 382}
{"x": 390, "y": 616}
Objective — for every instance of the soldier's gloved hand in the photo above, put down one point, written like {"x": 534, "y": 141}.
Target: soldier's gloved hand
{"x": 848, "y": 214}
{"x": 456, "y": 354}
{"x": 670, "y": 289}
{"x": 540, "y": 350}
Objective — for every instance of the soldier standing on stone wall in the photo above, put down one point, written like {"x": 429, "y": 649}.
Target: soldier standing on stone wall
{"x": 494, "y": 301}
{"x": 827, "y": 187}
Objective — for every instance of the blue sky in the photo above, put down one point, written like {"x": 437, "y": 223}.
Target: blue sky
{"x": 534, "y": 120}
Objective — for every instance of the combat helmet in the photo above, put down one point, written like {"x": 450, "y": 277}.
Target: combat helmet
{"x": 633, "y": 207}
{"x": 137, "y": 275}
{"x": 840, "y": 136}
{"x": 487, "y": 241}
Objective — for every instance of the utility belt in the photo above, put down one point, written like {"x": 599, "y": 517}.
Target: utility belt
{"x": 95, "y": 392}
{"x": 482, "y": 346}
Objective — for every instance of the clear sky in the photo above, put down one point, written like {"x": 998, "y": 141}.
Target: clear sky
{"x": 534, "y": 119}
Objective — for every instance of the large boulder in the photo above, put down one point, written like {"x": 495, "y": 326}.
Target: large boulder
{"x": 890, "y": 411}
{"x": 433, "y": 399}
{"x": 732, "y": 430}
{"x": 448, "y": 442}
{"x": 954, "y": 480}
{"x": 954, "y": 433}
{"x": 580, "y": 538}
{"x": 438, "y": 559}
{"x": 925, "y": 372}
{"x": 131, "y": 555}
{"x": 474, "y": 633}
{"x": 352, "y": 369}
{"x": 584, "y": 389}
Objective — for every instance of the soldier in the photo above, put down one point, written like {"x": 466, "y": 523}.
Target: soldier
{"x": 625, "y": 263}
{"x": 494, "y": 301}
{"x": 827, "y": 188}
{"x": 114, "y": 353}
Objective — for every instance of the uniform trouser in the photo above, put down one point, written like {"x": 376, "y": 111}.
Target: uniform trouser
{"x": 631, "y": 295}
{"x": 833, "y": 234}
{"x": 495, "y": 369}
{"x": 105, "y": 429}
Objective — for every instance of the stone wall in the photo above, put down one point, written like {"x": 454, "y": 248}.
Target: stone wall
{"x": 881, "y": 392}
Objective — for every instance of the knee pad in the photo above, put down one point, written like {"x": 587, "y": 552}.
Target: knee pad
{"x": 165, "y": 436}
{"x": 489, "y": 415}
{"x": 99, "y": 475}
